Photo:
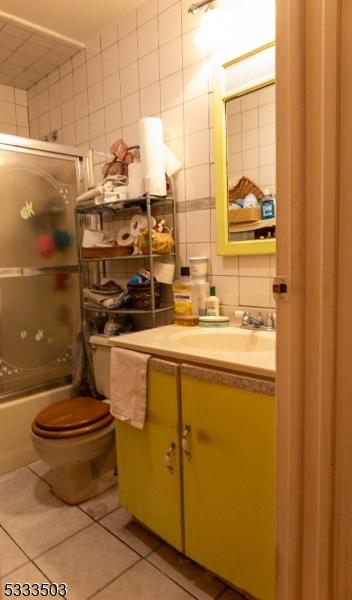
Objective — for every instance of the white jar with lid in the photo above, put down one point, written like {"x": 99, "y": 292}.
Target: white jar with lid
{"x": 198, "y": 266}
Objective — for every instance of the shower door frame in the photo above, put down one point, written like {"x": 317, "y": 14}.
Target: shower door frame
{"x": 84, "y": 177}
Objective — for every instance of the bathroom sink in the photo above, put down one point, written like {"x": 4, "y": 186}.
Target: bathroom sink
{"x": 230, "y": 339}
{"x": 232, "y": 348}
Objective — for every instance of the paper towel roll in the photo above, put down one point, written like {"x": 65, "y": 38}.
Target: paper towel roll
{"x": 172, "y": 164}
{"x": 124, "y": 238}
{"x": 135, "y": 180}
{"x": 137, "y": 223}
{"x": 152, "y": 155}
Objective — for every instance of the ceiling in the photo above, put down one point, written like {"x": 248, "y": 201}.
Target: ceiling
{"x": 39, "y": 36}
{"x": 77, "y": 19}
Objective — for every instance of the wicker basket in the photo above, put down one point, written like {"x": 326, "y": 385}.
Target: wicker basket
{"x": 141, "y": 297}
{"x": 244, "y": 215}
{"x": 244, "y": 187}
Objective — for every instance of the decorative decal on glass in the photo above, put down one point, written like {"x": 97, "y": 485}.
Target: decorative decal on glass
{"x": 39, "y": 335}
{"x": 23, "y": 334}
{"x": 27, "y": 210}
{"x": 50, "y": 340}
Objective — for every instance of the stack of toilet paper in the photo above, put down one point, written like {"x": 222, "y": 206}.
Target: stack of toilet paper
{"x": 156, "y": 159}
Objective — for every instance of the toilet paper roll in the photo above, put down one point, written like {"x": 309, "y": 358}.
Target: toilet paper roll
{"x": 135, "y": 180}
{"x": 164, "y": 272}
{"x": 172, "y": 163}
{"x": 137, "y": 223}
{"x": 124, "y": 238}
{"x": 152, "y": 155}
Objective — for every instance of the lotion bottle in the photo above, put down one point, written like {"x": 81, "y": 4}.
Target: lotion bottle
{"x": 213, "y": 304}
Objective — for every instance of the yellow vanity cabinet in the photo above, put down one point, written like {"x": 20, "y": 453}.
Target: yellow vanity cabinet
{"x": 229, "y": 477}
{"x": 149, "y": 459}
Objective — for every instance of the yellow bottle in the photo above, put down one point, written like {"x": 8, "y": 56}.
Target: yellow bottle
{"x": 183, "y": 295}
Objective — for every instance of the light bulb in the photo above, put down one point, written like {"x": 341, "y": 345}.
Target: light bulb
{"x": 210, "y": 34}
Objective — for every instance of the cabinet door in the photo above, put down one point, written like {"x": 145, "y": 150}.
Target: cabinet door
{"x": 149, "y": 459}
{"x": 229, "y": 480}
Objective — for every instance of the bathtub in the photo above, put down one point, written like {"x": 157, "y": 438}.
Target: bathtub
{"x": 16, "y": 417}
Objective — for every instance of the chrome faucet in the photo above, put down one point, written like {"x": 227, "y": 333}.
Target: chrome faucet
{"x": 259, "y": 322}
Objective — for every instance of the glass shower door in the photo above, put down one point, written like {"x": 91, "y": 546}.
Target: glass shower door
{"x": 39, "y": 292}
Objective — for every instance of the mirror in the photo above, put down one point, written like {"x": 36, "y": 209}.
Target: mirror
{"x": 245, "y": 154}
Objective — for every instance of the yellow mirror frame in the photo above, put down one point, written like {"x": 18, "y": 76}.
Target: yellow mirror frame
{"x": 224, "y": 246}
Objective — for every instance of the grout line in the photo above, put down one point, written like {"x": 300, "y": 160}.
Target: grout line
{"x": 63, "y": 541}
{"x": 114, "y": 579}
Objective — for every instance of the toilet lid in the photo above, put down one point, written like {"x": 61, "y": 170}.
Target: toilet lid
{"x": 72, "y": 414}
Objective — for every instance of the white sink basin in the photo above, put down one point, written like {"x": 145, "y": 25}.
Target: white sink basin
{"x": 230, "y": 339}
{"x": 229, "y": 348}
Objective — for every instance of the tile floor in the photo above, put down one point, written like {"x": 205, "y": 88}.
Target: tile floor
{"x": 96, "y": 548}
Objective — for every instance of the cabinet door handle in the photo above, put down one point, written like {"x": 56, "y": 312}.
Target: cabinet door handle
{"x": 168, "y": 458}
{"x": 185, "y": 448}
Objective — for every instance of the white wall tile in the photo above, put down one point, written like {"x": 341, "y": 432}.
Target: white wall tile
{"x": 192, "y": 52}
{"x": 130, "y": 109}
{"x": 146, "y": 11}
{"x": 94, "y": 70}
{"x": 189, "y": 21}
{"x": 255, "y": 291}
{"x": 54, "y": 95}
{"x": 65, "y": 69}
{"x": 69, "y": 135}
{"x": 113, "y": 116}
{"x": 197, "y": 148}
{"x": 198, "y": 226}
{"x": 55, "y": 118}
{"x": 21, "y": 97}
{"x": 81, "y": 105}
{"x": 21, "y": 116}
{"x": 254, "y": 266}
{"x": 196, "y": 80}
{"x": 147, "y": 37}
{"x": 172, "y": 90}
{"x": 93, "y": 47}
{"x": 196, "y": 114}
{"x": 223, "y": 265}
{"x": 128, "y": 49}
{"x": 97, "y": 124}
{"x": 150, "y": 100}
{"x": 197, "y": 182}
{"x": 112, "y": 89}
{"x": 7, "y": 113}
{"x": 82, "y": 130}
{"x": 170, "y": 24}
{"x": 95, "y": 97}
{"x": 127, "y": 24}
{"x": 129, "y": 79}
{"x": 78, "y": 59}
{"x": 110, "y": 59}
{"x": 109, "y": 35}
{"x": 227, "y": 289}
{"x": 68, "y": 113}
{"x": 148, "y": 67}
{"x": 266, "y": 114}
{"x": 170, "y": 58}
{"x": 66, "y": 87}
{"x": 249, "y": 119}
{"x": 80, "y": 79}
{"x": 173, "y": 123}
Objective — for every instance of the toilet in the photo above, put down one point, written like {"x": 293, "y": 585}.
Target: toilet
{"x": 76, "y": 437}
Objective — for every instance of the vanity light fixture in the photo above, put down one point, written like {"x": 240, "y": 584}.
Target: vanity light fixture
{"x": 210, "y": 35}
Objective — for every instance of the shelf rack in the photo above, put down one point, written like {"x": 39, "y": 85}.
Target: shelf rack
{"x": 121, "y": 208}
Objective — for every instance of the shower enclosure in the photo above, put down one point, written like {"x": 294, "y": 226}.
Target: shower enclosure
{"x": 39, "y": 293}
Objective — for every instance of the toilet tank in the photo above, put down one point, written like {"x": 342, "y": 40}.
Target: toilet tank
{"x": 101, "y": 347}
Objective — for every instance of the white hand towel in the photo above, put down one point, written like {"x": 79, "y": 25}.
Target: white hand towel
{"x": 129, "y": 372}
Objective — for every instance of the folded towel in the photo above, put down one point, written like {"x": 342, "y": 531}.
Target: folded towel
{"x": 129, "y": 386}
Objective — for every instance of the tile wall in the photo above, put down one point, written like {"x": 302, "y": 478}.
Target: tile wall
{"x": 13, "y": 111}
{"x": 148, "y": 64}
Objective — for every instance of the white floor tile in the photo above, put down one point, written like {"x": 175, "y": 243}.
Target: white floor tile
{"x": 186, "y": 573}
{"x": 45, "y": 525}
{"x": 7, "y": 476}
{"x": 87, "y": 561}
{"x": 26, "y": 574}
{"x": 121, "y": 524}
{"x": 143, "y": 582}
{"x": 11, "y": 557}
{"x": 102, "y": 505}
{"x": 22, "y": 493}
{"x": 41, "y": 469}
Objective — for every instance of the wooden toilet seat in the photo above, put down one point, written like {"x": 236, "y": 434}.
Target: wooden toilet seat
{"x": 72, "y": 417}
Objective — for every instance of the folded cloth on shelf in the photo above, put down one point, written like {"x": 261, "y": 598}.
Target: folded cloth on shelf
{"x": 112, "y": 301}
{"x": 129, "y": 371}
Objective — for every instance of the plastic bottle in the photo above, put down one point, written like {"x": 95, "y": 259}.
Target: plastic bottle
{"x": 213, "y": 303}
{"x": 268, "y": 205}
{"x": 183, "y": 294}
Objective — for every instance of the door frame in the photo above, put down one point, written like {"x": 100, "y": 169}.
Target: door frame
{"x": 314, "y": 87}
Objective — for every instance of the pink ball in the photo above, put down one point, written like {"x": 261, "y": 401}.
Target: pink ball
{"x": 45, "y": 245}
